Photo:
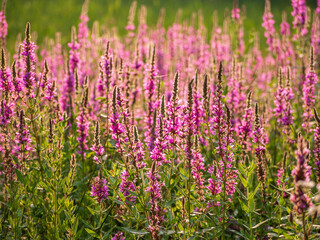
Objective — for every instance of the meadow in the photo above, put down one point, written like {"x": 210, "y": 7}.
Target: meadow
{"x": 185, "y": 120}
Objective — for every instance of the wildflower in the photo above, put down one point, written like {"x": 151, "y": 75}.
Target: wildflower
{"x": 259, "y": 140}
{"x": 309, "y": 92}
{"x": 137, "y": 151}
{"x": 156, "y": 216}
{"x": 301, "y": 173}
{"x": 299, "y": 14}
{"x": 150, "y": 88}
{"x": 83, "y": 126}
{"x": 118, "y": 236}
{"x": 6, "y": 84}
{"x": 99, "y": 189}
{"x": 245, "y": 129}
{"x": 22, "y": 140}
{"x": 29, "y": 57}
{"x": 97, "y": 146}
{"x": 126, "y": 187}
{"x": 3, "y": 27}
{"x": 267, "y": 24}
{"x": 316, "y": 150}
{"x": 173, "y": 123}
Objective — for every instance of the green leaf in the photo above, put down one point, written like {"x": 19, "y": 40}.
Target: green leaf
{"x": 251, "y": 204}
{"x": 19, "y": 176}
{"x": 92, "y": 233}
{"x": 244, "y": 206}
{"x": 243, "y": 181}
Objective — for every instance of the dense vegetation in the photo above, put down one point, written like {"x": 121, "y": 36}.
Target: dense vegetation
{"x": 176, "y": 132}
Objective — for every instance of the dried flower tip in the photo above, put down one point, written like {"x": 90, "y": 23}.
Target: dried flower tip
{"x": 73, "y": 161}
{"x": 280, "y": 78}
{"x": 107, "y": 50}
{"x": 27, "y": 33}
{"x": 85, "y": 98}
{"x": 220, "y": 73}
{"x": 288, "y": 82}
{"x": 190, "y": 96}
{"x": 3, "y": 59}
{"x": 163, "y": 106}
{"x": 205, "y": 88}
{"x": 312, "y": 63}
{"x": 316, "y": 116}
{"x": 50, "y": 140}
{"x": 284, "y": 160}
{"x": 97, "y": 134}
{"x": 249, "y": 99}
{"x": 196, "y": 80}
{"x": 135, "y": 133}
{"x": 153, "y": 56}
{"x": 85, "y": 82}
{"x": 73, "y": 34}
{"x": 14, "y": 72}
{"x": 291, "y": 217}
{"x": 175, "y": 87}
{"x": 161, "y": 127}
{"x": 228, "y": 115}
{"x": 114, "y": 99}
{"x": 196, "y": 142}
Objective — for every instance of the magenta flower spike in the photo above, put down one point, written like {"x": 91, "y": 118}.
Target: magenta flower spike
{"x": 29, "y": 59}
{"x": 301, "y": 173}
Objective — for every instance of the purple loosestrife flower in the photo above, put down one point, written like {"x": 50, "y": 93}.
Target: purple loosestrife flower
{"x": 118, "y": 236}
{"x": 116, "y": 128}
{"x": 23, "y": 141}
{"x": 316, "y": 150}
{"x": 160, "y": 145}
{"x": 189, "y": 124}
{"x": 285, "y": 26}
{"x": 106, "y": 65}
{"x": 29, "y": 58}
{"x": 299, "y": 14}
{"x": 83, "y": 125}
{"x": 259, "y": 140}
{"x": 97, "y": 146}
{"x": 235, "y": 13}
{"x": 99, "y": 189}
{"x": 301, "y": 173}
{"x": 6, "y": 111}
{"x": 281, "y": 174}
{"x": 3, "y": 27}
{"x": 150, "y": 86}
{"x": 156, "y": 214}
{"x": 235, "y": 96}
{"x": 287, "y": 118}
{"x": 224, "y": 132}
{"x": 197, "y": 168}
{"x": 126, "y": 186}
{"x": 245, "y": 129}
{"x": 198, "y": 109}
{"x": 6, "y": 84}
{"x": 309, "y": 93}
{"x": 74, "y": 55}
{"x": 15, "y": 80}
{"x": 173, "y": 123}
{"x": 267, "y": 24}
{"x": 137, "y": 153}
{"x": 280, "y": 101}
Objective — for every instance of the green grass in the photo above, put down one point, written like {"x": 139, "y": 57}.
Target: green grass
{"x": 50, "y": 16}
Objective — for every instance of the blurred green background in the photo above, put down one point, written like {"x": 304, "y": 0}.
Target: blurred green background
{"x": 50, "y": 16}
